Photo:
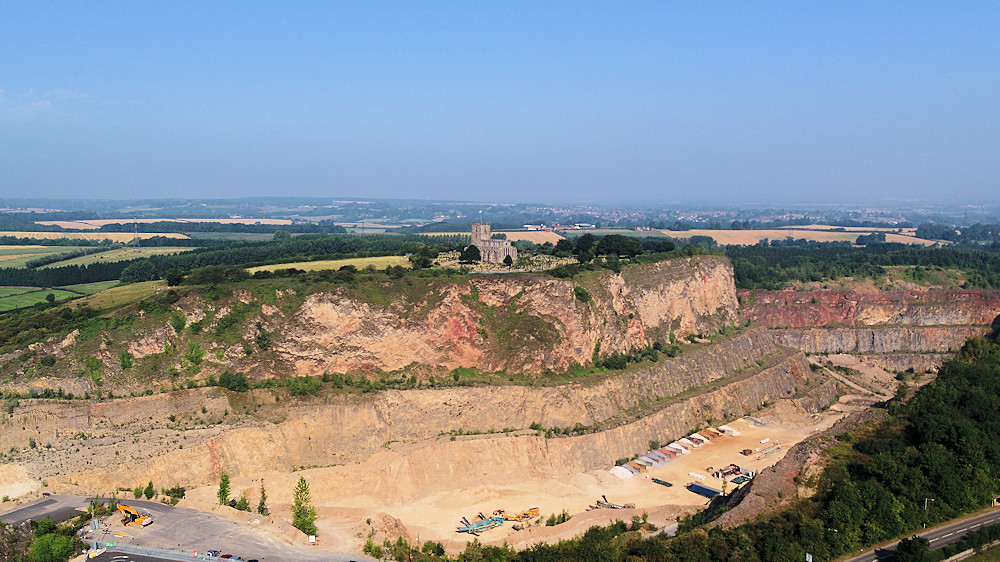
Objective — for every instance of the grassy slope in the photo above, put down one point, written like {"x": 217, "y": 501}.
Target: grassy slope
{"x": 90, "y": 288}
{"x": 23, "y": 300}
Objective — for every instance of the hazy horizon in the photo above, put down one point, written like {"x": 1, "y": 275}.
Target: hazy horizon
{"x": 637, "y": 104}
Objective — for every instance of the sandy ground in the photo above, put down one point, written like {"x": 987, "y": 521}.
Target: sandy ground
{"x": 15, "y": 482}
{"x": 436, "y": 514}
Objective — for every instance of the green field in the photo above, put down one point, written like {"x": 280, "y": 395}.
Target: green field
{"x": 25, "y": 299}
{"x": 120, "y": 254}
{"x": 606, "y": 231}
{"x": 118, "y": 296}
{"x": 360, "y": 263}
{"x": 18, "y": 256}
{"x": 90, "y": 288}
{"x": 248, "y": 236}
{"x": 8, "y": 291}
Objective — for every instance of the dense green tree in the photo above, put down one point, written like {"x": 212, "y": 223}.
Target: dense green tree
{"x": 138, "y": 271}
{"x": 585, "y": 244}
{"x": 150, "y": 491}
{"x": 234, "y": 381}
{"x": 262, "y": 502}
{"x": 470, "y": 254}
{"x": 303, "y": 513}
{"x": 51, "y": 548}
{"x": 243, "y": 504}
{"x": 618, "y": 245}
{"x": 223, "y": 493}
{"x": 563, "y": 247}
{"x": 914, "y": 549}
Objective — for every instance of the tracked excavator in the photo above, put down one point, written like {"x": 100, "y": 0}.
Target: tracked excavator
{"x": 132, "y": 517}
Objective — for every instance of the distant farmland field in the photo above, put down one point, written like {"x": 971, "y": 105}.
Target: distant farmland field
{"x": 18, "y": 256}
{"x": 749, "y": 237}
{"x": 95, "y": 224}
{"x": 115, "y": 236}
{"x": 861, "y": 229}
{"x": 536, "y": 236}
{"x": 119, "y": 255}
{"x": 618, "y": 231}
{"x": 360, "y": 263}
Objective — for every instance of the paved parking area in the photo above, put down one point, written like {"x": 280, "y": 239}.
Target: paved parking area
{"x": 179, "y": 528}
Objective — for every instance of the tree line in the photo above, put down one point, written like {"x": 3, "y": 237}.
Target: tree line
{"x": 765, "y": 267}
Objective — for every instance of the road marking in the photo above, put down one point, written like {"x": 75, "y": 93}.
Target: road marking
{"x": 948, "y": 535}
{"x": 937, "y": 539}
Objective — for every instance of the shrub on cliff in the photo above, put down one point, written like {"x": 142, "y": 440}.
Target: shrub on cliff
{"x": 237, "y": 382}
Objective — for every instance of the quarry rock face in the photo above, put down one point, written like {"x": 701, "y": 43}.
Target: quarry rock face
{"x": 806, "y": 309}
{"x": 519, "y": 323}
{"x": 878, "y": 340}
{"x": 355, "y": 429}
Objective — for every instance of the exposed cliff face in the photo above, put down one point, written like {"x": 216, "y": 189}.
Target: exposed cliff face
{"x": 807, "y": 309}
{"x": 722, "y": 381}
{"x": 352, "y": 433}
{"x": 881, "y": 340}
{"x": 520, "y": 323}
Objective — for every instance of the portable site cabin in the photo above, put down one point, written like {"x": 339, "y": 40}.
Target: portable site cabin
{"x": 707, "y": 491}
{"x": 687, "y": 442}
{"x": 636, "y": 466}
{"x": 621, "y": 472}
{"x": 681, "y": 449}
{"x": 643, "y": 461}
{"x": 704, "y": 436}
{"x": 714, "y": 432}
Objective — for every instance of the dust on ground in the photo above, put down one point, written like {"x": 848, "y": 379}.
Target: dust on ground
{"x": 436, "y": 514}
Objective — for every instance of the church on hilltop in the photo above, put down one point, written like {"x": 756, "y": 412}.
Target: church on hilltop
{"x": 491, "y": 250}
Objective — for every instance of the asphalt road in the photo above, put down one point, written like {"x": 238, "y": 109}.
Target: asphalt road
{"x": 938, "y": 536}
{"x": 59, "y": 508}
{"x": 178, "y": 528}
{"x": 120, "y": 557}
{"x": 56, "y": 508}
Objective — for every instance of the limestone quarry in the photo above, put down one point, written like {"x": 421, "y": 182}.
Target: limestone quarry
{"x": 468, "y": 391}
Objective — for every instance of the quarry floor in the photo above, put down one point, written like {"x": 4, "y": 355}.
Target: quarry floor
{"x": 436, "y": 513}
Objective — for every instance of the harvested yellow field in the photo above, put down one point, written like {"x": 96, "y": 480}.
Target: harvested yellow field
{"x": 861, "y": 229}
{"x": 98, "y": 223}
{"x": 750, "y": 237}
{"x": 120, "y": 255}
{"x": 114, "y": 236}
{"x": 535, "y": 236}
{"x": 379, "y": 262}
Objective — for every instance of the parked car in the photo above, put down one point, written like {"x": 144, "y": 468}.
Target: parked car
{"x": 213, "y": 553}
{"x": 231, "y": 558}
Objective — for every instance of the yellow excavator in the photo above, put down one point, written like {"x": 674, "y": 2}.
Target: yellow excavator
{"x": 523, "y": 516}
{"x": 132, "y": 517}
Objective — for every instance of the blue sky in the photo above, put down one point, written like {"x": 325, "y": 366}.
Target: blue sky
{"x": 502, "y": 101}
